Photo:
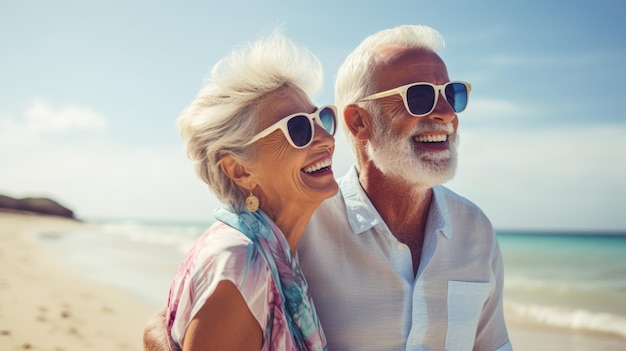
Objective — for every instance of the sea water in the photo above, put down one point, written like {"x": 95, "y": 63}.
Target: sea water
{"x": 139, "y": 256}
{"x": 572, "y": 280}
{"x": 567, "y": 280}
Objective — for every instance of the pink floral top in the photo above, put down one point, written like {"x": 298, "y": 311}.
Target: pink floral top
{"x": 225, "y": 253}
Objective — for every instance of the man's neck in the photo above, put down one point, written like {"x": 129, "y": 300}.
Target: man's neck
{"x": 402, "y": 205}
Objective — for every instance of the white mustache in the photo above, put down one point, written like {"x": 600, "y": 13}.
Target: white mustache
{"x": 429, "y": 127}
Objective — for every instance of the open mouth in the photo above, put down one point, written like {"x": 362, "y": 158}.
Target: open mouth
{"x": 318, "y": 167}
{"x": 437, "y": 138}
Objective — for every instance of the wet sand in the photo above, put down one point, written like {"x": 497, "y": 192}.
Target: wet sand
{"x": 45, "y": 304}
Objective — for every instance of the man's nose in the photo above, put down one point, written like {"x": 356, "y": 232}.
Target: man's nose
{"x": 443, "y": 111}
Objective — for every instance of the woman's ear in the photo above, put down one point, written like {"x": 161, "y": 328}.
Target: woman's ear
{"x": 236, "y": 171}
{"x": 357, "y": 120}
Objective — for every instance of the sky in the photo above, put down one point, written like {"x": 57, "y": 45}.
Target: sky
{"x": 90, "y": 92}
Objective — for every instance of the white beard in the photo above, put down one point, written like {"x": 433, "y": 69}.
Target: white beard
{"x": 396, "y": 155}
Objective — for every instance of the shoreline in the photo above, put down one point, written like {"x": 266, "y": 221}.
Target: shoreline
{"x": 526, "y": 336}
{"x": 47, "y": 305}
{"x": 49, "y": 302}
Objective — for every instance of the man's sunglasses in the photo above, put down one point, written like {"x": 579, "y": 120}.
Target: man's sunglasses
{"x": 299, "y": 128}
{"x": 420, "y": 99}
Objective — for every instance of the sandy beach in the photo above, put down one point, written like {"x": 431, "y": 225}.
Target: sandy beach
{"x": 527, "y": 337}
{"x": 46, "y": 305}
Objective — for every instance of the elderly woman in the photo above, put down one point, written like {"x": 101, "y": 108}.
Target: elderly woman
{"x": 265, "y": 150}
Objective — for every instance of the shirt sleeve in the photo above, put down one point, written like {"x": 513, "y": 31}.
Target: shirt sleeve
{"x": 222, "y": 253}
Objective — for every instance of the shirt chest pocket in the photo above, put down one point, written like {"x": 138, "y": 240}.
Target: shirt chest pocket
{"x": 465, "y": 303}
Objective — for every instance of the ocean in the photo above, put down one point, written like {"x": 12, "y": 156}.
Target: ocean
{"x": 139, "y": 256}
{"x": 571, "y": 280}
{"x": 567, "y": 280}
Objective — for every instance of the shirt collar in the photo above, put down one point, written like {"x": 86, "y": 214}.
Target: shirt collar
{"x": 362, "y": 215}
{"x": 439, "y": 215}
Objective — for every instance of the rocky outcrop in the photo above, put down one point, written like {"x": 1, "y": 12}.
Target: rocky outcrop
{"x": 39, "y": 205}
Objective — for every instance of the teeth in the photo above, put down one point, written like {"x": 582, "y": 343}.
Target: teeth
{"x": 431, "y": 138}
{"x": 316, "y": 167}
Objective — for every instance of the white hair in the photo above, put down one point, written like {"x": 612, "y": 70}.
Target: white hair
{"x": 224, "y": 114}
{"x": 354, "y": 78}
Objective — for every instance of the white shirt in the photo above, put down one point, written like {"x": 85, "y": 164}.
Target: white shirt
{"x": 366, "y": 295}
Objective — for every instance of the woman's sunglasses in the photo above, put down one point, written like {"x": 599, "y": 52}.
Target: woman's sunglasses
{"x": 420, "y": 99}
{"x": 299, "y": 128}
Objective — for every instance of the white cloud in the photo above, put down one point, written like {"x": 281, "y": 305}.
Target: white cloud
{"x": 40, "y": 117}
{"x": 97, "y": 178}
{"x": 564, "y": 178}
{"x": 546, "y": 178}
{"x": 490, "y": 110}
{"x": 583, "y": 58}
{"x": 558, "y": 178}
{"x": 502, "y": 60}
{"x": 107, "y": 180}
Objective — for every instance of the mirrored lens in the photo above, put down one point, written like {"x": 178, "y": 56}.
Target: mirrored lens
{"x": 300, "y": 130}
{"x": 327, "y": 117}
{"x": 456, "y": 94}
{"x": 420, "y": 98}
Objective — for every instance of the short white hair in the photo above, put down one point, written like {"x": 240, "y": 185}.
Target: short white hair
{"x": 224, "y": 114}
{"x": 354, "y": 78}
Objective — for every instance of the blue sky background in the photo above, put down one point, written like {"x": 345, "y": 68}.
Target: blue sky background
{"x": 90, "y": 91}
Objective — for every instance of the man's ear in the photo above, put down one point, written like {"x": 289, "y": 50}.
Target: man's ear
{"x": 358, "y": 121}
{"x": 237, "y": 172}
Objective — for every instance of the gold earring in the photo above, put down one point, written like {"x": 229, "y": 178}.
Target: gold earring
{"x": 252, "y": 202}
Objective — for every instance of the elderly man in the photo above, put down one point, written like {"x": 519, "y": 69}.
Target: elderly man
{"x": 396, "y": 261}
